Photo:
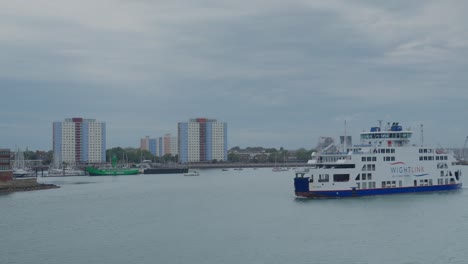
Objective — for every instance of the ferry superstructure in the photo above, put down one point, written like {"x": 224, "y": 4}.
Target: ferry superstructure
{"x": 385, "y": 162}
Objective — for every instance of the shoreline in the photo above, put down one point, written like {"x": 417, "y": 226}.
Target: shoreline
{"x": 41, "y": 186}
{"x": 23, "y": 185}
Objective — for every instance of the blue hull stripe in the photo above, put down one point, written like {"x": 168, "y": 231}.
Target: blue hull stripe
{"x": 302, "y": 187}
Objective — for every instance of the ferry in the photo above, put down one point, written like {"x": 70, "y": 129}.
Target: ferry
{"x": 385, "y": 162}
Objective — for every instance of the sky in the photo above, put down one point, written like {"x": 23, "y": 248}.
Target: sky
{"x": 280, "y": 73}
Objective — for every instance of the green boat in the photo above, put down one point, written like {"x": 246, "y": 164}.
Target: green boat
{"x": 111, "y": 171}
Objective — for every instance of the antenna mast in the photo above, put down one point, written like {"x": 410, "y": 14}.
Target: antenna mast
{"x": 345, "y": 138}
{"x": 422, "y": 135}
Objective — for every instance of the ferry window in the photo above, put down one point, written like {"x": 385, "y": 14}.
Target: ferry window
{"x": 364, "y": 185}
{"x": 437, "y": 157}
{"x": 358, "y": 177}
{"x": 369, "y": 158}
{"x": 358, "y": 185}
{"x": 373, "y": 167}
{"x": 392, "y": 159}
{"x": 441, "y": 173}
{"x": 425, "y": 150}
{"x": 340, "y": 177}
{"x": 363, "y": 159}
{"x": 364, "y": 167}
{"x": 374, "y": 158}
{"x": 456, "y": 175}
{"x": 323, "y": 178}
{"x": 425, "y": 157}
{"x": 383, "y": 184}
{"x": 420, "y": 158}
{"x": 392, "y": 150}
{"x": 430, "y": 181}
{"x": 400, "y": 184}
{"x": 420, "y": 150}
{"x": 369, "y": 176}
{"x": 364, "y": 176}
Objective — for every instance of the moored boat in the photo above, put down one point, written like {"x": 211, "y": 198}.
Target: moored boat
{"x": 278, "y": 169}
{"x": 192, "y": 173}
{"x": 384, "y": 162}
{"x": 111, "y": 171}
{"x": 65, "y": 172}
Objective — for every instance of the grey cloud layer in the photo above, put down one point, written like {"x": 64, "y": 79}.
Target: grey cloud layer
{"x": 265, "y": 67}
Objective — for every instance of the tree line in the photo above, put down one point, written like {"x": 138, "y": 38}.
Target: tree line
{"x": 235, "y": 154}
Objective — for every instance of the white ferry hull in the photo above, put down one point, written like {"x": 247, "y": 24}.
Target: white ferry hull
{"x": 302, "y": 190}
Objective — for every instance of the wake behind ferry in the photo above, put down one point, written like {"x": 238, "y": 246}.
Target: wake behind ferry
{"x": 384, "y": 162}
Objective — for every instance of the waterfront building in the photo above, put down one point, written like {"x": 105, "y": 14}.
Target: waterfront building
{"x": 160, "y": 146}
{"x": 167, "y": 145}
{"x": 174, "y": 147}
{"x": 202, "y": 139}
{"x": 6, "y": 171}
{"x": 78, "y": 140}
{"x": 153, "y": 146}
{"x": 149, "y": 144}
{"x": 144, "y": 143}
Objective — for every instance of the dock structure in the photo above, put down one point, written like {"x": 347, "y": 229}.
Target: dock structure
{"x": 39, "y": 169}
{"x": 246, "y": 165}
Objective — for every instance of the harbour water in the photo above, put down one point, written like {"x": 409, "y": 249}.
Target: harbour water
{"x": 248, "y": 216}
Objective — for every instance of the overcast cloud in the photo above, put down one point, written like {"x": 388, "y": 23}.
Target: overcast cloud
{"x": 280, "y": 73}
